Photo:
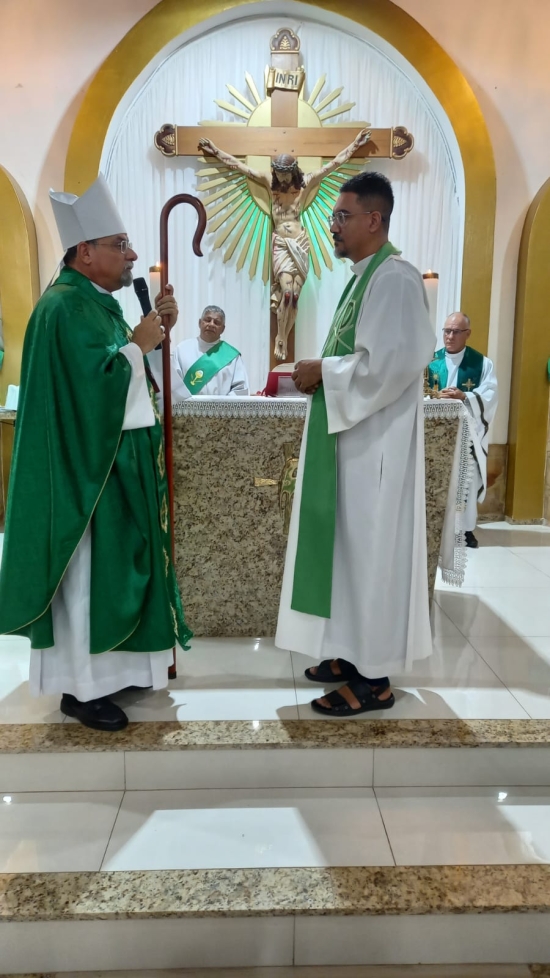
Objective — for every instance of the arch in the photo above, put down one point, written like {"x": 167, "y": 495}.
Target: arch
{"x": 528, "y": 423}
{"x": 170, "y": 18}
{"x": 19, "y": 290}
{"x": 19, "y": 284}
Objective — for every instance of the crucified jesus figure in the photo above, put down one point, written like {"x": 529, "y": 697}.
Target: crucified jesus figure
{"x": 288, "y": 189}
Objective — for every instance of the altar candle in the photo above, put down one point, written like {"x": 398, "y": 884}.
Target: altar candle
{"x": 431, "y": 284}
{"x": 154, "y": 282}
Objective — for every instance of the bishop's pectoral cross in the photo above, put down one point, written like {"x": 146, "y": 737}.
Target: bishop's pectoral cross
{"x": 285, "y": 81}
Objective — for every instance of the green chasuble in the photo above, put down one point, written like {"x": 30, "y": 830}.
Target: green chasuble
{"x": 312, "y": 588}
{"x": 469, "y": 372}
{"x": 73, "y": 466}
{"x": 209, "y": 365}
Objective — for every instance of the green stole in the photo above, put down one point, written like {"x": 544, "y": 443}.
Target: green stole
{"x": 312, "y": 589}
{"x": 207, "y": 366}
{"x": 469, "y": 372}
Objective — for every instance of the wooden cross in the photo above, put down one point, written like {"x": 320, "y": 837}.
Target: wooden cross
{"x": 284, "y": 83}
{"x": 284, "y": 135}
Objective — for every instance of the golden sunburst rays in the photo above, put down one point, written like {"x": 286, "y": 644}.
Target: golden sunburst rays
{"x": 246, "y": 108}
{"x": 316, "y": 216}
{"x": 242, "y": 226}
{"x": 328, "y": 100}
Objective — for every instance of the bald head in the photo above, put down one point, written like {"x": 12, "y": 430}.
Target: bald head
{"x": 456, "y": 332}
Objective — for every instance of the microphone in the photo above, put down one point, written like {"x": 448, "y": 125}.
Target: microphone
{"x": 142, "y": 293}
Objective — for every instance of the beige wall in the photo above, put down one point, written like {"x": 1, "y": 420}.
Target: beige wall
{"x": 503, "y": 49}
{"x": 49, "y": 50}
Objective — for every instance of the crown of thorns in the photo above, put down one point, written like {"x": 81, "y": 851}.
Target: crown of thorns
{"x": 284, "y": 167}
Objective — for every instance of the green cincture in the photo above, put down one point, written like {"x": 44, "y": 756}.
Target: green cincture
{"x": 312, "y": 589}
{"x": 74, "y": 467}
{"x": 209, "y": 365}
{"x": 469, "y": 372}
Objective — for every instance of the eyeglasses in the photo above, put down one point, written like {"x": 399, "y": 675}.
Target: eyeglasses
{"x": 123, "y": 246}
{"x": 342, "y": 217}
{"x": 453, "y": 332}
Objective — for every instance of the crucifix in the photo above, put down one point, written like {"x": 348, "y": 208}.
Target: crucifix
{"x": 265, "y": 152}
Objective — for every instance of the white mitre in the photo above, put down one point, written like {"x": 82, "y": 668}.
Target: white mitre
{"x": 94, "y": 215}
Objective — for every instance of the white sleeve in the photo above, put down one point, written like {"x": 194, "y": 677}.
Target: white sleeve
{"x": 394, "y": 341}
{"x": 179, "y": 390}
{"x": 240, "y": 386}
{"x": 483, "y": 400}
{"x": 139, "y": 410}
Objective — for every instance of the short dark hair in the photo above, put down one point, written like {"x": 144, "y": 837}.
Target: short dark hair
{"x": 369, "y": 185}
{"x": 215, "y": 309}
{"x": 70, "y": 254}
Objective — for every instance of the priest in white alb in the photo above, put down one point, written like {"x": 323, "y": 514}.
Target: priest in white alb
{"x": 458, "y": 372}
{"x": 205, "y": 364}
{"x": 355, "y": 587}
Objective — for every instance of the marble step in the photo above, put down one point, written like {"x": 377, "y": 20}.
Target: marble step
{"x": 65, "y": 922}
{"x": 275, "y": 753}
{"x": 361, "y": 971}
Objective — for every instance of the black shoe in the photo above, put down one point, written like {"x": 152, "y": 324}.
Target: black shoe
{"x": 471, "y": 540}
{"x": 98, "y": 714}
{"x": 133, "y": 689}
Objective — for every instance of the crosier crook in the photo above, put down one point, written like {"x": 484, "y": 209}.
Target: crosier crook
{"x": 166, "y": 372}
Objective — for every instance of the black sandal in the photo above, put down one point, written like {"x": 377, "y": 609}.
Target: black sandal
{"x": 368, "y": 697}
{"x": 325, "y": 674}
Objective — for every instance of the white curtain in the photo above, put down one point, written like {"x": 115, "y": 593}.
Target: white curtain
{"x": 427, "y": 224}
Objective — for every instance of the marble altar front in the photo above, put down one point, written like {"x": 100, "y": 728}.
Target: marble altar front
{"x": 234, "y": 465}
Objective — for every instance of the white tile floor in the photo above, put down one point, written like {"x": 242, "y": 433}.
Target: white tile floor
{"x": 206, "y": 829}
{"x": 491, "y": 660}
{"x": 491, "y": 655}
{"x": 260, "y": 828}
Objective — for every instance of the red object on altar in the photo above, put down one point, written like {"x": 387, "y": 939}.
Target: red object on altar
{"x": 280, "y": 384}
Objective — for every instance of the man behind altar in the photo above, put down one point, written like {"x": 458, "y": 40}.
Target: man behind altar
{"x": 355, "y": 586}
{"x": 205, "y": 365}
{"x": 86, "y": 570}
{"x": 458, "y": 372}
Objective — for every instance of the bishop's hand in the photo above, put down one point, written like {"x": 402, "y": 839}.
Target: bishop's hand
{"x": 167, "y": 306}
{"x": 149, "y": 333}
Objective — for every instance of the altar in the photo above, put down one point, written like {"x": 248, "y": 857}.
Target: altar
{"x": 235, "y": 462}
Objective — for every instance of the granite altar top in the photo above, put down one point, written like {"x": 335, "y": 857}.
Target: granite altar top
{"x": 274, "y": 734}
{"x": 369, "y": 891}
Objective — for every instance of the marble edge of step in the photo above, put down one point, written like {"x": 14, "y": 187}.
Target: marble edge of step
{"x": 274, "y": 734}
{"x": 339, "y": 891}
{"x": 322, "y": 971}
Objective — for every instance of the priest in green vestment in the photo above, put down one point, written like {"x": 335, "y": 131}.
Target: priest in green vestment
{"x": 458, "y": 372}
{"x": 87, "y": 574}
